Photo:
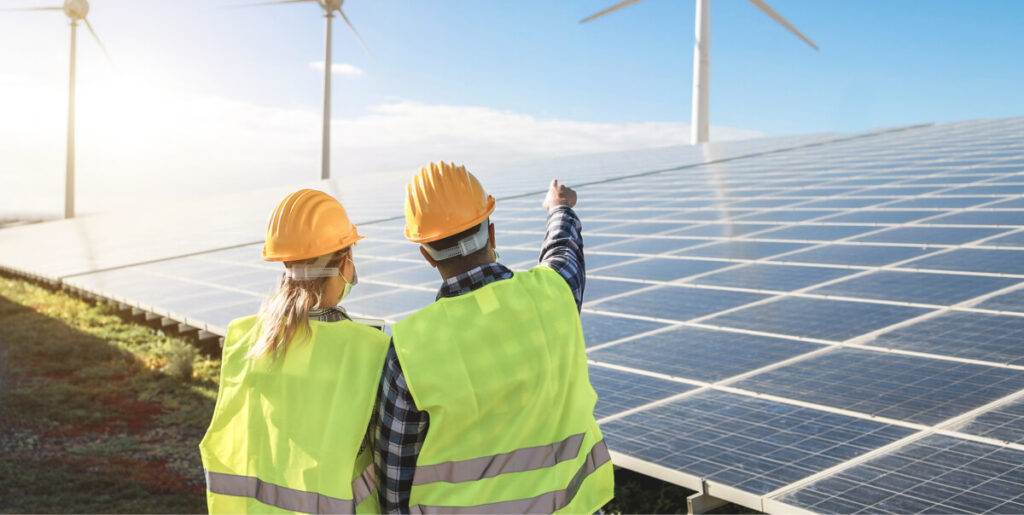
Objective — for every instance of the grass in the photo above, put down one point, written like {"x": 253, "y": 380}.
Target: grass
{"x": 98, "y": 414}
{"x": 90, "y": 418}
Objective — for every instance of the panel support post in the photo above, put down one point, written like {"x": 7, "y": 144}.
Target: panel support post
{"x": 702, "y": 503}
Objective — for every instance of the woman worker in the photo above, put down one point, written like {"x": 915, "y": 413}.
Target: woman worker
{"x": 299, "y": 380}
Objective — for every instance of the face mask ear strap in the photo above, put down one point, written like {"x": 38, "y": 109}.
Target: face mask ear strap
{"x": 465, "y": 246}
{"x": 318, "y": 269}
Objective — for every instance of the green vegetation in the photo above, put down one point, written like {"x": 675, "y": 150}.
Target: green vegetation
{"x": 102, "y": 415}
{"x": 96, "y": 414}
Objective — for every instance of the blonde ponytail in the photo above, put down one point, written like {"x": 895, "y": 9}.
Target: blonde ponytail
{"x": 285, "y": 314}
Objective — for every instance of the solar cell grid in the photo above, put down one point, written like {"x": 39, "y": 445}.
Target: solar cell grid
{"x": 675, "y": 303}
{"x": 817, "y": 233}
{"x": 990, "y": 189}
{"x": 1012, "y": 301}
{"x": 940, "y": 202}
{"x": 916, "y": 287}
{"x": 619, "y": 391}
{"x": 650, "y": 245}
{"x": 932, "y": 235}
{"x": 695, "y": 353}
{"x": 599, "y": 329}
{"x": 908, "y": 388}
{"x": 724, "y": 230}
{"x": 937, "y": 474}
{"x": 597, "y": 289}
{"x": 741, "y": 250}
{"x": 659, "y": 269}
{"x": 1004, "y": 217}
{"x": 1011, "y": 239}
{"x": 773, "y": 277}
{"x": 879, "y": 217}
{"x": 831, "y": 320}
{"x": 751, "y": 444}
{"x": 787, "y": 215}
{"x": 1017, "y": 203}
{"x": 995, "y": 338}
{"x": 974, "y": 260}
{"x": 857, "y": 255}
{"x": 1005, "y": 423}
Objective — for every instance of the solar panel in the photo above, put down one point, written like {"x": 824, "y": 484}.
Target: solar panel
{"x": 937, "y": 474}
{"x": 828, "y": 324}
{"x": 751, "y": 444}
{"x": 921, "y": 288}
{"x": 994, "y": 338}
{"x": 908, "y": 388}
{"x": 696, "y": 353}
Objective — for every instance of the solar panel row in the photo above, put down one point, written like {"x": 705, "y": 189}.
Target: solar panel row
{"x": 785, "y": 330}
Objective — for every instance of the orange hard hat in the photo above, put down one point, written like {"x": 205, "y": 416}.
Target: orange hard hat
{"x": 443, "y": 200}
{"x": 308, "y": 224}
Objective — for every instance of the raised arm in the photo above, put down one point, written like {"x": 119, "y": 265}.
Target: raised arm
{"x": 563, "y": 244}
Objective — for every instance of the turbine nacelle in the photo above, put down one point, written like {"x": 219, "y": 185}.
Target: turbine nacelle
{"x": 76, "y": 9}
{"x": 331, "y": 6}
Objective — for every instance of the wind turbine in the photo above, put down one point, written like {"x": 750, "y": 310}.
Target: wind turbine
{"x": 329, "y": 7}
{"x": 701, "y": 62}
{"x": 76, "y": 10}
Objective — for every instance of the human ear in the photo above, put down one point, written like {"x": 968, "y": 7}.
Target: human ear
{"x": 426, "y": 256}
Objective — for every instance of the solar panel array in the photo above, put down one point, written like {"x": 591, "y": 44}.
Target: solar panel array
{"x": 826, "y": 325}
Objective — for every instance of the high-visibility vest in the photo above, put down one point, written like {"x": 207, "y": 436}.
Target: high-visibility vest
{"x": 502, "y": 372}
{"x": 286, "y": 434}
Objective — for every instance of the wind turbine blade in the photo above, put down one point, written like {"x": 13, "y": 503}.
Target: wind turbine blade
{"x": 271, "y": 2}
{"x": 354, "y": 31}
{"x": 765, "y": 8}
{"x": 609, "y": 10}
{"x": 56, "y": 8}
{"x": 97, "y": 38}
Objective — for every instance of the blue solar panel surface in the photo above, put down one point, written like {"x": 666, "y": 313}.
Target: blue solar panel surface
{"x": 788, "y": 326}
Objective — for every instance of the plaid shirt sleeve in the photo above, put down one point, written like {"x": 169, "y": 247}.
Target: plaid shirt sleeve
{"x": 563, "y": 250}
{"x": 401, "y": 430}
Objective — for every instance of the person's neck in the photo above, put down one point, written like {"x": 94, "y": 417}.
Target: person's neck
{"x": 454, "y": 269}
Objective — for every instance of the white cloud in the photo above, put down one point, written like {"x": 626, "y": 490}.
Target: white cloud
{"x": 343, "y": 69}
{"x": 138, "y": 140}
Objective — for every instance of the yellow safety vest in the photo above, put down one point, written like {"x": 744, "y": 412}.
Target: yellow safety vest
{"x": 286, "y": 433}
{"x": 502, "y": 372}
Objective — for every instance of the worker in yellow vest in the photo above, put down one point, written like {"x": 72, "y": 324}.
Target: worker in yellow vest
{"x": 298, "y": 381}
{"x": 485, "y": 404}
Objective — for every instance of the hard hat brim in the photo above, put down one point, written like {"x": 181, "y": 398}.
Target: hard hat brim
{"x": 280, "y": 257}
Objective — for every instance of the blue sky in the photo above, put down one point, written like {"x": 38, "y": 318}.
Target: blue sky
{"x": 202, "y": 96}
{"x": 881, "y": 63}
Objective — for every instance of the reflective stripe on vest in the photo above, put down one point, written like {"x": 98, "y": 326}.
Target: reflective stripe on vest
{"x": 289, "y": 498}
{"x": 520, "y": 460}
{"x": 544, "y": 503}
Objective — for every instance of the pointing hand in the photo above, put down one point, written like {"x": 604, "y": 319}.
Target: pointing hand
{"x": 559, "y": 195}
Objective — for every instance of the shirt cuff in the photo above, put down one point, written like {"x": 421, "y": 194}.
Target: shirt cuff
{"x": 555, "y": 209}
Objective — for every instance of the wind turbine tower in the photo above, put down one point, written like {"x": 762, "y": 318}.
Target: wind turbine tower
{"x": 329, "y": 7}
{"x": 700, "y": 105}
{"x": 76, "y": 11}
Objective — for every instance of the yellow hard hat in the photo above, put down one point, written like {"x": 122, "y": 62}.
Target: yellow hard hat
{"x": 308, "y": 224}
{"x": 443, "y": 200}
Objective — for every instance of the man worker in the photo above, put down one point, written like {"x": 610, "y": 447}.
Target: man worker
{"x": 485, "y": 403}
